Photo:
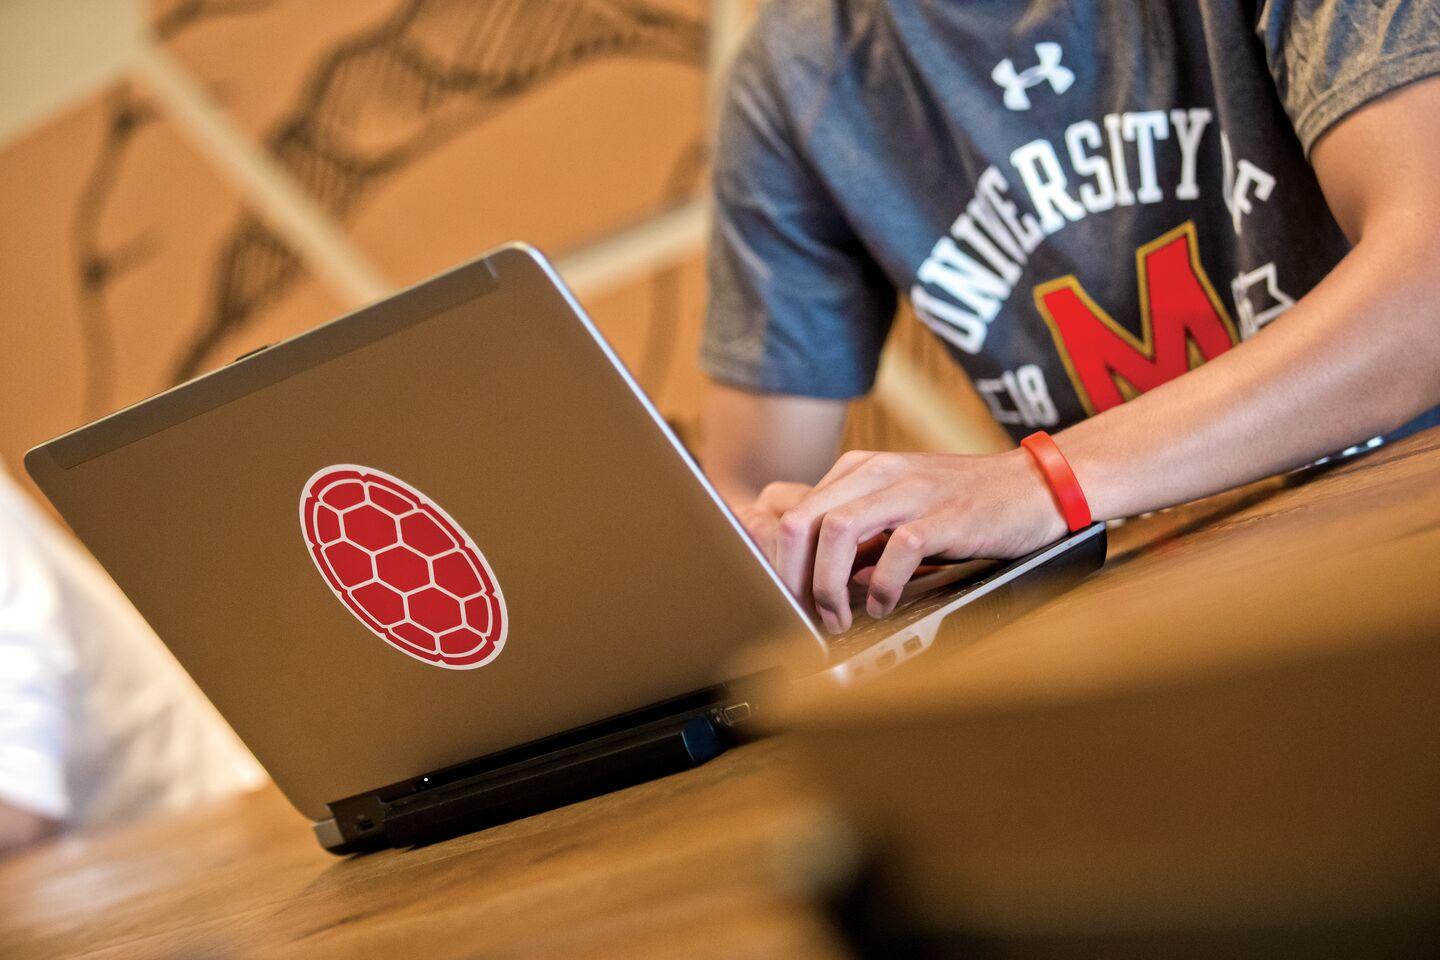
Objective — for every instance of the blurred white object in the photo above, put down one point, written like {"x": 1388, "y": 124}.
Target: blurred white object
{"x": 98, "y": 723}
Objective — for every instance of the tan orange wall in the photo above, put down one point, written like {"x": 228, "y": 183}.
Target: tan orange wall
{"x": 141, "y": 243}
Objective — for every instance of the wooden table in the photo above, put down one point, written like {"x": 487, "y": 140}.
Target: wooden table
{"x": 1231, "y": 736}
{"x": 724, "y": 861}
{"x": 735, "y": 859}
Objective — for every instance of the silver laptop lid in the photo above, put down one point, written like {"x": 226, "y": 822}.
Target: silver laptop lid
{"x": 442, "y": 526}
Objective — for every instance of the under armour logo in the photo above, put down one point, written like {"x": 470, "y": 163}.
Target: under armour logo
{"x": 1048, "y": 71}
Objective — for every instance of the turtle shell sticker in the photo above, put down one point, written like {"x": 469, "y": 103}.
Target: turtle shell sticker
{"x": 403, "y": 567}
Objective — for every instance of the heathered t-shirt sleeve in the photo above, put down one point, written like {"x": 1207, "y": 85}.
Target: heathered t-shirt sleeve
{"x": 1330, "y": 57}
{"x": 796, "y": 305}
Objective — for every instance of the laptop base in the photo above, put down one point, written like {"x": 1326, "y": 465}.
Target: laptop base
{"x": 544, "y": 775}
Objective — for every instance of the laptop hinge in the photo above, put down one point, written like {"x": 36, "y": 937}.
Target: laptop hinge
{"x": 561, "y": 770}
{"x": 618, "y": 762}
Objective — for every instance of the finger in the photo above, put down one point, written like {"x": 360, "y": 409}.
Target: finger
{"x": 759, "y": 525}
{"x": 799, "y": 527}
{"x": 871, "y": 549}
{"x": 893, "y": 465}
{"x": 781, "y": 495}
{"x": 848, "y": 463}
{"x": 842, "y": 530}
{"x": 860, "y": 582}
{"x": 763, "y": 533}
{"x": 910, "y": 543}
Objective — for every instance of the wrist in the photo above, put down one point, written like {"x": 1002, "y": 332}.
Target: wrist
{"x": 1060, "y": 479}
{"x": 1034, "y": 493}
{"x": 1108, "y": 467}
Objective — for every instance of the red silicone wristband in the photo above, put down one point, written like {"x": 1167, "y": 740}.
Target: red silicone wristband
{"x": 1052, "y": 463}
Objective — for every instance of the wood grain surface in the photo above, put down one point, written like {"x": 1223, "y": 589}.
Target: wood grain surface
{"x": 1183, "y": 693}
{"x": 1230, "y": 727}
{"x": 722, "y": 862}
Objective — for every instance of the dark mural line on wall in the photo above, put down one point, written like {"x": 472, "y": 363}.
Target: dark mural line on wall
{"x": 373, "y": 104}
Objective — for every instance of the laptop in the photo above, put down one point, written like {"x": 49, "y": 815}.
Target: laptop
{"x": 441, "y": 564}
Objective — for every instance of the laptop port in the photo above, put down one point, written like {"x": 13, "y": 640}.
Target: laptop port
{"x": 913, "y": 645}
{"x": 736, "y": 713}
{"x": 885, "y": 661}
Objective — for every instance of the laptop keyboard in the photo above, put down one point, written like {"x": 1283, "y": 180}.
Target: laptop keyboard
{"x": 865, "y": 631}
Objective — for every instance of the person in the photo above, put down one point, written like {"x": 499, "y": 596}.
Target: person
{"x": 98, "y": 724}
{"x": 1084, "y": 201}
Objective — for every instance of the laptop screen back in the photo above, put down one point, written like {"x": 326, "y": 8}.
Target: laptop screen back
{"x": 486, "y": 396}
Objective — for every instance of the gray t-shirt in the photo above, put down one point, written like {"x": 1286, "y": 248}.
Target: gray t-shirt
{"x": 1083, "y": 200}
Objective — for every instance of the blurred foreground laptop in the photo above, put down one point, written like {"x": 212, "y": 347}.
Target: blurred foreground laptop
{"x": 441, "y": 564}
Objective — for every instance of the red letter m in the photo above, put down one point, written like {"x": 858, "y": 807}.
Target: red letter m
{"x": 1183, "y": 324}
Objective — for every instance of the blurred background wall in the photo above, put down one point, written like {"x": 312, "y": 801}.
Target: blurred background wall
{"x": 185, "y": 180}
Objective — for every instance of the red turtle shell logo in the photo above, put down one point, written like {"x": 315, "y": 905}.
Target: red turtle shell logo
{"x": 403, "y": 567}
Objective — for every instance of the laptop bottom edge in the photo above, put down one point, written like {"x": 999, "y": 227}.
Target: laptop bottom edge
{"x": 547, "y": 774}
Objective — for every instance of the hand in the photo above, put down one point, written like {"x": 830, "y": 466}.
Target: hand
{"x": 761, "y": 518}
{"x": 934, "y": 505}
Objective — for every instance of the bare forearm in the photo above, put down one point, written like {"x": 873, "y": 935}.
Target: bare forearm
{"x": 1354, "y": 359}
{"x": 1357, "y": 357}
